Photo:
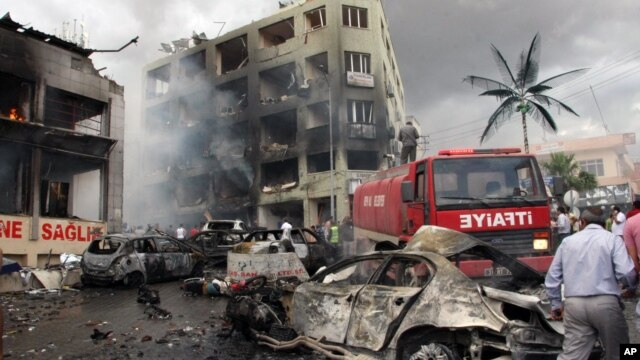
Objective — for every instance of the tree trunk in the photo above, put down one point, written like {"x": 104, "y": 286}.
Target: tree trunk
{"x": 524, "y": 132}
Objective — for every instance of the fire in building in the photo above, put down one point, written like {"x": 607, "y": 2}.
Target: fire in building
{"x": 61, "y": 131}
{"x": 241, "y": 126}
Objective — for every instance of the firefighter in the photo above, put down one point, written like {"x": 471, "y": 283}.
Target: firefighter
{"x": 334, "y": 238}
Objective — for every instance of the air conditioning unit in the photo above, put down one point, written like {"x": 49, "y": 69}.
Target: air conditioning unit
{"x": 390, "y": 93}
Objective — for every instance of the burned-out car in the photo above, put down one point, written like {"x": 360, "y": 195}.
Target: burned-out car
{"x": 313, "y": 252}
{"x": 415, "y": 303}
{"x": 215, "y": 244}
{"x": 135, "y": 260}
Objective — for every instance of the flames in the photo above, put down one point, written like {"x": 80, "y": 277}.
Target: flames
{"x": 15, "y": 115}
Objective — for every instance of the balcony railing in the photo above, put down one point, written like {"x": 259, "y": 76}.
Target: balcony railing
{"x": 362, "y": 131}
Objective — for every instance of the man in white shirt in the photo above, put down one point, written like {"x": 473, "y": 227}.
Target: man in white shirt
{"x": 286, "y": 225}
{"x": 617, "y": 228}
{"x": 563, "y": 226}
{"x": 181, "y": 232}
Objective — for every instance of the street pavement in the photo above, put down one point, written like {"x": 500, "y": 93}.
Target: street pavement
{"x": 56, "y": 326}
{"x": 60, "y": 327}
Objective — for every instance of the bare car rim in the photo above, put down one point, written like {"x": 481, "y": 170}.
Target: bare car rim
{"x": 433, "y": 351}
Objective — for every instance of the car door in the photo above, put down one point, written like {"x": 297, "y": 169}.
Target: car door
{"x": 322, "y": 307}
{"x": 381, "y": 304}
{"x": 152, "y": 260}
{"x": 175, "y": 257}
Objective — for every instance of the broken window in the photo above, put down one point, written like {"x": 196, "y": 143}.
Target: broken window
{"x": 276, "y": 34}
{"x": 158, "y": 81}
{"x": 278, "y": 84}
{"x": 359, "y": 111}
{"x": 16, "y": 97}
{"x": 318, "y": 114}
{"x": 316, "y": 66}
{"x": 15, "y": 173}
{"x": 194, "y": 109}
{"x": 353, "y": 273}
{"x": 192, "y": 190}
{"x": 231, "y": 55}
{"x": 231, "y": 97}
{"x": 74, "y": 112}
{"x": 354, "y": 17}
{"x": 362, "y": 160}
{"x": 76, "y": 64}
{"x": 403, "y": 272}
{"x": 318, "y": 163}
{"x": 160, "y": 118}
{"x": 229, "y": 143}
{"x": 279, "y": 129}
{"x": 315, "y": 19}
{"x": 71, "y": 186}
{"x": 357, "y": 62}
{"x": 193, "y": 64}
{"x": 280, "y": 174}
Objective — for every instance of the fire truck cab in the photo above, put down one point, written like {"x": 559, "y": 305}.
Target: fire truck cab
{"x": 496, "y": 195}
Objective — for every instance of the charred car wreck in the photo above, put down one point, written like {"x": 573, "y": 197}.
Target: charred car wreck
{"x": 135, "y": 260}
{"x": 415, "y": 303}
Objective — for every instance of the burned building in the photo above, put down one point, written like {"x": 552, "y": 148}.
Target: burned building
{"x": 240, "y": 126}
{"x": 61, "y": 165}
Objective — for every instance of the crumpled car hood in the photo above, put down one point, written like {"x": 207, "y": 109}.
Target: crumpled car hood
{"x": 530, "y": 302}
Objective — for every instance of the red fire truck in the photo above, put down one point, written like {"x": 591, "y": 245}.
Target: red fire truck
{"x": 496, "y": 195}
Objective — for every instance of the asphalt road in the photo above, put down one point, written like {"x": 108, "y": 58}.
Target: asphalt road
{"x": 60, "y": 327}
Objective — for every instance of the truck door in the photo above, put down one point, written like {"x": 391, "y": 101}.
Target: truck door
{"x": 417, "y": 212}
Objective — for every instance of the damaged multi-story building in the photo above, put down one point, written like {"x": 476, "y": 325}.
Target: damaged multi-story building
{"x": 61, "y": 161}
{"x": 241, "y": 126}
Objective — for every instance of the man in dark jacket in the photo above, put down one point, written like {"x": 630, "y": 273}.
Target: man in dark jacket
{"x": 408, "y": 136}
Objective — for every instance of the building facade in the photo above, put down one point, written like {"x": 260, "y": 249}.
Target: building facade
{"x": 244, "y": 125}
{"x": 607, "y": 158}
{"x": 61, "y": 132}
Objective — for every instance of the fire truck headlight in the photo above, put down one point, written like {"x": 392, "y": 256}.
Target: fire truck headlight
{"x": 540, "y": 244}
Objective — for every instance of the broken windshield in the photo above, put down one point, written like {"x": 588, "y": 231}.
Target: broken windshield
{"x": 487, "y": 182}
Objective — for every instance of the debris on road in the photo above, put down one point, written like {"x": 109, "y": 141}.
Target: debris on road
{"x": 155, "y": 312}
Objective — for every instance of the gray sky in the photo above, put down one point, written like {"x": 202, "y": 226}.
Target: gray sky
{"x": 437, "y": 43}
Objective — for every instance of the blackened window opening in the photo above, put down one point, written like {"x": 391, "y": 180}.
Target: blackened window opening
{"x": 74, "y": 112}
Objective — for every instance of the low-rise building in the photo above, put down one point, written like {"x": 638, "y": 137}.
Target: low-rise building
{"x": 61, "y": 161}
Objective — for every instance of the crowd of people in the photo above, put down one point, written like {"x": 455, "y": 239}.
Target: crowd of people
{"x": 597, "y": 265}
{"x": 180, "y": 232}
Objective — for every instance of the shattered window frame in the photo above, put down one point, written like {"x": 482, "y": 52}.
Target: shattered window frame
{"x": 354, "y": 272}
{"x": 277, "y": 33}
{"x": 75, "y": 112}
{"x": 193, "y": 65}
{"x": 158, "y": 81}
{"x": 315, "y": 19}
{"x": 355, "y": 17}
{"x": 16, "y": 105}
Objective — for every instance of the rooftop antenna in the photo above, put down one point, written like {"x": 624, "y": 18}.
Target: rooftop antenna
{"x": 604, "y": 125}
{"x": 221, "y": 27}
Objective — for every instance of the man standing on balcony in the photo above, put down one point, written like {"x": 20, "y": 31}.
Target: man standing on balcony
{"x": 408, "y": 136}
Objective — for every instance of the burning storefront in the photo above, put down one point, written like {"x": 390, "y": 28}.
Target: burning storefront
{"x": 61, "y": 123}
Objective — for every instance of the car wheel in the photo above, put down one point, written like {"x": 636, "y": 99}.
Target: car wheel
{"x": 433, "y": 351}
{"x": 134, "y": 279}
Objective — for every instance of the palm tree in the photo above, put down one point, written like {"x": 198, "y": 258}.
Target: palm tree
{"x": 520, "y": 93}
{"x": 565, "y": 166}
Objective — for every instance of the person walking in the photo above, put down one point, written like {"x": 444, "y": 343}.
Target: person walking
{"x": 194, "y": 230}
{"x": 618, "y": 220}
{"x": 590, "y": 264}
{"x": 408, "y": 136}
{"x": 346, "y": 236}
{"x": 181, "y": 232}
{"x": 631, "y": 237}
{"x": 635, "y": 210}
{"x": 563, "y": 225}
{"x": 286, "y": 225}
